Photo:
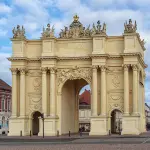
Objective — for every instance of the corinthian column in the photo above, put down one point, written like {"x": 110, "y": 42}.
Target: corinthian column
{"x": 44, "y": 90}
{"x": 126, "y": 90}
{"x": 135, "y": 86}
{"x": 22, "y": 92}
{"x": 103, "y": 90}
{"x": 53, "y": 91}
{"x": 94, "y": 91}
{"x": 14, "y": 92}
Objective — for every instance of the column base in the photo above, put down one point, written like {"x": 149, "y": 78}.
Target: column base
{"x": 99, "y": 125}
{"x": 18, "y": 126}
{"x": 50, "y": 126}
{"x": 130, "y": 125}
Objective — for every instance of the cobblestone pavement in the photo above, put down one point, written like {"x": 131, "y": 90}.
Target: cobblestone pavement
{"x": 80, "y": 147}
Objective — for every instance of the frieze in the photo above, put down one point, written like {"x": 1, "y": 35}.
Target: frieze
{"x": 74, "y": 73}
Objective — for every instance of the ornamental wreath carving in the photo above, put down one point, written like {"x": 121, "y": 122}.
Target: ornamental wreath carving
{"x": 74, "y": 73}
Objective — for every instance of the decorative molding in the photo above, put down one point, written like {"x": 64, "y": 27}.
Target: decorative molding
{"x": 74, "y": 73}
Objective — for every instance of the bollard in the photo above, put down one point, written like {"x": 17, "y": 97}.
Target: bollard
{"x": 80, "y": 133}
{"x": 30, "y": 133}
{"x": 57, "y": 133}
{"x": 20, "y": 133}
{"x": 109, "y": 132}
{"x": 69, "y": 133}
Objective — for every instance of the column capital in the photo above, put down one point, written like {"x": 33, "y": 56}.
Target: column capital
{"x": 94, "y": 67}
{"x": 43, "y": 69}
{"x": 126, "y": 67}
{"x": 103, "y": 68}
{"x": 53, "y": 70}
{"x": 14, "y": 70}
{"x": 22, "y": 70}
{"x": 135, "y": 67}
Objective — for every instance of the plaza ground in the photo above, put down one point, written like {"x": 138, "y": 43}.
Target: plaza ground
{"x": 75, "y": 142}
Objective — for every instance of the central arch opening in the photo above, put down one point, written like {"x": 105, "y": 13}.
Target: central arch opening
{"x": 70, "y": 105}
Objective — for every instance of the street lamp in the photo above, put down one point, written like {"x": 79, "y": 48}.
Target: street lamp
{"x": 42, "y": 116}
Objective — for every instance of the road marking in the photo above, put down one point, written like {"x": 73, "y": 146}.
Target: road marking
{"x": 145, "y": 141}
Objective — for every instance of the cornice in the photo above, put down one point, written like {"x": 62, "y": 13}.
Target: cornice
{"x": 48, "y": 57}
{"x": 100, "y": 56}
{"x": 139, "y": 58}
{"x": 74, "y": 58}
{"x": 17, "y": 58}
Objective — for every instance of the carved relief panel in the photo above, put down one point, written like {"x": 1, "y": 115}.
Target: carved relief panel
{"x": 115, "y": 81}
{"x": 35, "y": 102}
{"x": 115, "y": 101}
{"x": 35, "y": 81}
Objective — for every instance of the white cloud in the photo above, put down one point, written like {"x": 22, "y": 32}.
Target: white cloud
{"x": 4, "y": 8}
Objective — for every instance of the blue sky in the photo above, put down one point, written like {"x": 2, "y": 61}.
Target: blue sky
{"x": 34, "y": 14}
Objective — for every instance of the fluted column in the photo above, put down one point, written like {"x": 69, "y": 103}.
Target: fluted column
{"x": 53, "y": 91}
{"x": 103, "y": 90}
{"x": 135, "y": 90}
{"x": 44, "y": 90}
{"x": 22, "y": 92}
{"x": 94, "y": 91}
{"x": 14, "y": 92}
{"x": 126, "y": 90}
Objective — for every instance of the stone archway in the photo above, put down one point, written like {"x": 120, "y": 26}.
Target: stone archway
{"x": 70, "y": 105}
{"x": 116, "y": 121}
{"x": 35, "y": 122}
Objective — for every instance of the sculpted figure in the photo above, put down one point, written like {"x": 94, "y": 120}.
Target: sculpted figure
{"x": 18, "y": 33}
{"x": 98, "y": 27}
{"x": 48, "y": 32}
{"x": 130, "y": 28}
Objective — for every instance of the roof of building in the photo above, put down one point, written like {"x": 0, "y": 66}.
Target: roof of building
{"x": 85, "y": 97}
{"x": 4, "y": 85}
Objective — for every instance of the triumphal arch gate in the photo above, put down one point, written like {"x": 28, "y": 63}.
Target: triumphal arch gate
{"x": 48, "y": 73}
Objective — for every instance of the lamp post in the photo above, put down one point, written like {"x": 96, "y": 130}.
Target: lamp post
{"x": 42, "y": 116}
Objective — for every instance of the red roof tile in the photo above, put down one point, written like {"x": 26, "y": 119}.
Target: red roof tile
{"x": 4, "y": 85}
{"x": 85, "y": 97}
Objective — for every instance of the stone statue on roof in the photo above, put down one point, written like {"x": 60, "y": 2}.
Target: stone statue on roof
{"x": 18, "y": 32}
{"x": 130, "y": 27}
{"x": 48, "y": 32}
